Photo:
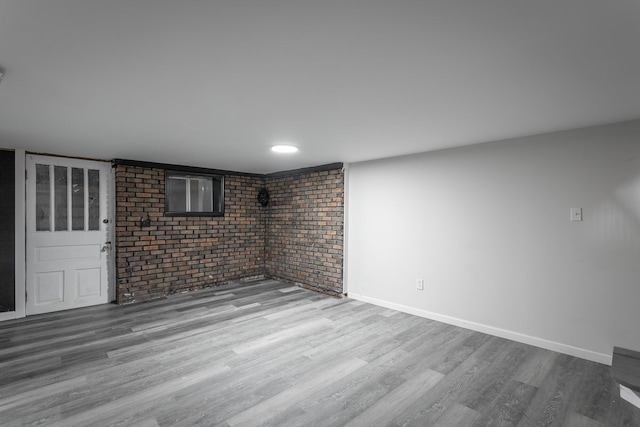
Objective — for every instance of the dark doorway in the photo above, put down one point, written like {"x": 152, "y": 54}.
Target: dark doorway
{"x": 7, "y": 231}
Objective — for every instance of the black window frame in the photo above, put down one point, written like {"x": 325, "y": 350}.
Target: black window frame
{"x": 217, "y": 189}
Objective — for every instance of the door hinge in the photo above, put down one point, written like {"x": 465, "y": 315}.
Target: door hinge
{"x": 26, "y": 175}
{"x": 26, "y": 296}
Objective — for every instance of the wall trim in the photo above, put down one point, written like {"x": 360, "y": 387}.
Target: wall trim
{"x": 111, "y": 215}
{"x": 180, "y": 168}
{"x": 321, "y": 168}
{"x": 345, "y": 230}
{"x": 21, "y": 239}
{"x": 194, "y": 169}
{"x": 63, "y": 156}
{"x": 498, "y": 332}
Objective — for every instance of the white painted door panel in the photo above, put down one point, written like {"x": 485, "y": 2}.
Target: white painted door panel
{"x": 67, "y": 233}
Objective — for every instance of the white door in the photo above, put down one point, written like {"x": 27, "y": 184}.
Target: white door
{"x": 67, "y": 233}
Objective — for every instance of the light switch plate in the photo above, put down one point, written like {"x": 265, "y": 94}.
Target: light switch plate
{"x": 576, "y": 214}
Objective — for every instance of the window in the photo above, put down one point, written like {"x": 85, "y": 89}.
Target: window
{"x": 193, "y": 194}
{"x": 75, "y": 204}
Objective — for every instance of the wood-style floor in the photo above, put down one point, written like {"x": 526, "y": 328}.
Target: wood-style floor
{"x": 265, "y": 353}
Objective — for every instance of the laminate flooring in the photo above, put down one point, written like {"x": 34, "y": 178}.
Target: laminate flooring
{"x": 265, "y": 353}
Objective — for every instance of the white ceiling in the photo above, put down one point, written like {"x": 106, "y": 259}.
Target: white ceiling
{"x": 215, "y": 83}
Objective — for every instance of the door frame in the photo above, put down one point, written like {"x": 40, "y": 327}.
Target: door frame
{"x": 20, "y": 238}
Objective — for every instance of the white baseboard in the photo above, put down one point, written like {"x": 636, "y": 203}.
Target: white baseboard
{"x": 9, "y": 315}
{"x": 630, "y": 396}
{"x": 498, "y": 332}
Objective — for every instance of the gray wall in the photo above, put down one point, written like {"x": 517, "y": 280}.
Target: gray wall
{"x": 488, "y": 229}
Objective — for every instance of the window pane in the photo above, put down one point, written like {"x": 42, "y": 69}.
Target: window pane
{"x": 94, "y": 199}
{"x": 60, "y": 197}
{"x": 77, "y": 199}
{"x": 176, "y": 194}
{"x": 206, "y": 194}
{"x": 218, "y": 195}
{"x": 201, "y": 192}
{"x": 193, "y": 194}
{"x": 43, "y": 198}
{"x": 194, "y": 189}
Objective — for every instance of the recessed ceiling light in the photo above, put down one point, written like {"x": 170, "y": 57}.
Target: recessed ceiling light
{"x": 284, "y": 148}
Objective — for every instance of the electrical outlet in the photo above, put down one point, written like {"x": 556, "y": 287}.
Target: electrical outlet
{"x": 420, "y": 284}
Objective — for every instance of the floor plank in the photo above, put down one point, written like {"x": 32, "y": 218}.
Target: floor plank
{"x": 265, "y": 353}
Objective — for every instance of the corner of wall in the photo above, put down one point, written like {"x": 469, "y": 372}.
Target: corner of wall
{"x": 305, "y": 228}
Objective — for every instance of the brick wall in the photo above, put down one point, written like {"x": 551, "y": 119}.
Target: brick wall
{"x": 177, "y": 254}
{"x": 305, "y": 229}
{"x": 297, "y": 238}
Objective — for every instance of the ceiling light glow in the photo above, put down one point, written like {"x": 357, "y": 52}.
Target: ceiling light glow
{"x": 284, "y": 148}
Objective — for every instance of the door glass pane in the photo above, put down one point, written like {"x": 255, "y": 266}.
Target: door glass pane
{"x": 94, "y": 199}
{"x": 77, "y": 199}
{"x": 43, "y": 198}
{"x": 60, "y": 197}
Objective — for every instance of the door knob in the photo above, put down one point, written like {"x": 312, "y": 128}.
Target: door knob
{"x": 106, "y": 247}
